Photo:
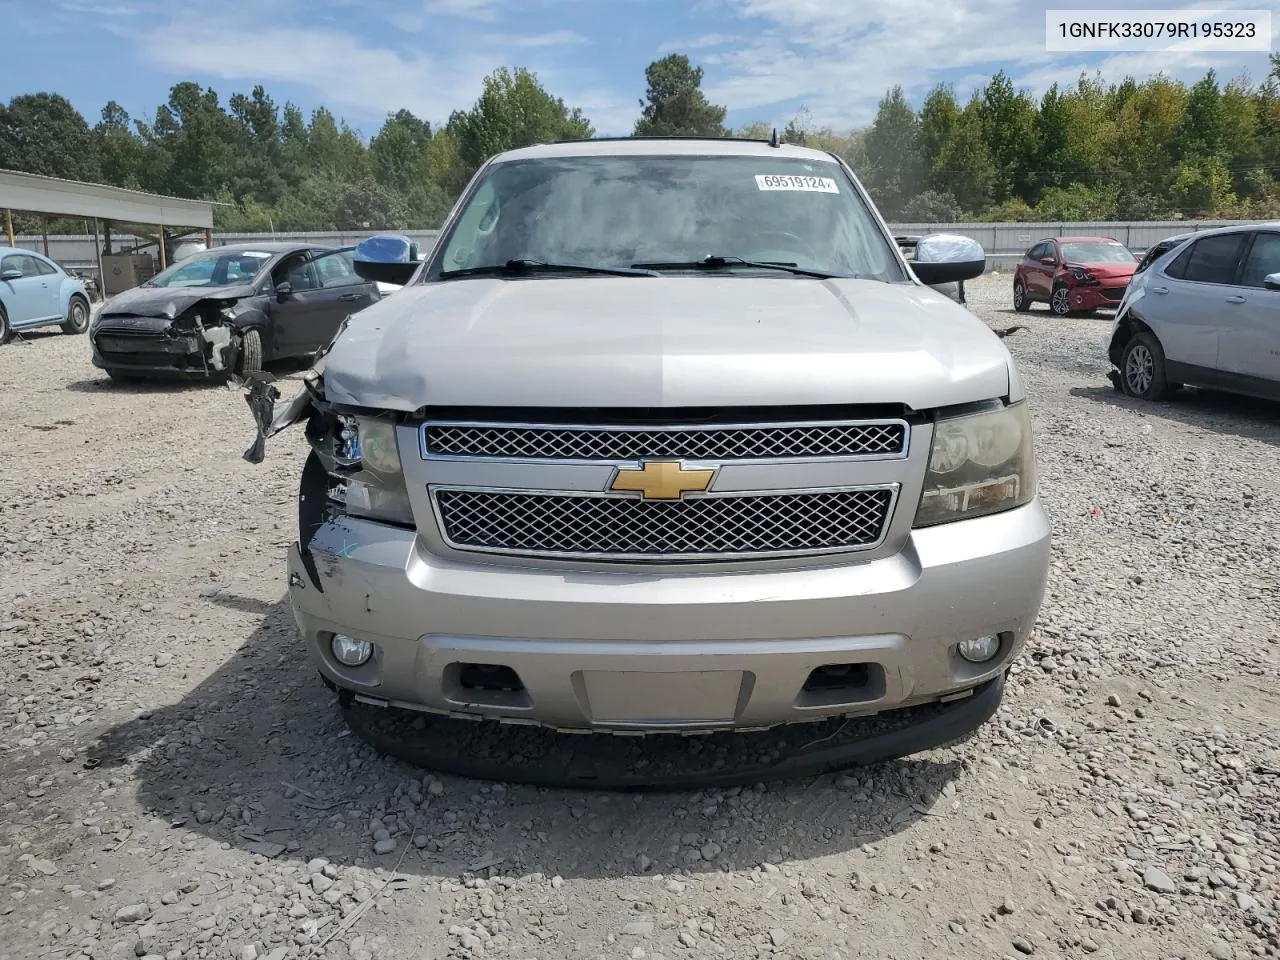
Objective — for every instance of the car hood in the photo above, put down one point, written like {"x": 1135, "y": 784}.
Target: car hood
{"x": 1107, "y": 271}
{"x": 665, "y": 342}
{"x": 168, "y": 302}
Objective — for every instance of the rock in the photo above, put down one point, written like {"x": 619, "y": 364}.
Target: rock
{"x": 638, "y": 928}
{"x": 687, "y": 939}
{"x": 1221, "y": 950}
{"x": 710, "y": 851}
{"x": 169, "y": 898}
{"x": 1156, "y": 879}
{"x": 247, "y": 952}
{"x": 1023, "y": 945}
{"x": 383, "y": 847}
{"x": 163, "y": 659}
{"x": 1113, "y": 701}
{"x": 133, "y": 913}
{"x": 778, "y": 936}
{"x": 1238, "y": 863}
{"x": 320, "y": 883}
{"x": 212, "y": 590}
{"x": 435, "y": 788}
{"x": 266, "y": 848}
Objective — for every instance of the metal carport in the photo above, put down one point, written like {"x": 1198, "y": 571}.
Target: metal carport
{"x": 52, "y": 196}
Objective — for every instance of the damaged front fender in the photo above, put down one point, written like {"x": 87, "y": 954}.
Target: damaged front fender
{"x": 270, "y": 415}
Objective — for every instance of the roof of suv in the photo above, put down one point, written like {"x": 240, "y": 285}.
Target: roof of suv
{"x": 665, "y": 146}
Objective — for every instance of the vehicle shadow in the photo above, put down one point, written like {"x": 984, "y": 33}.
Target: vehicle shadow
{"x": 281, "y": 370}
{"x": 258, "y": 757}
{"x": 1230, "y": 414}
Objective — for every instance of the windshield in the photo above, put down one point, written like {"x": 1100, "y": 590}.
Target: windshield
{"x": 1097, "y": 253}
{"x": 623, "y": 210}
{"x": 213, "y": 269}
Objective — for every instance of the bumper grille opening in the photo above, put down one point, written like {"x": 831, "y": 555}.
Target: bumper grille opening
{"x": 722, "y": 443}
{"x": 834, "y": 684}
{"x": 708, "y": 527}
{"x": 485, "y": 684}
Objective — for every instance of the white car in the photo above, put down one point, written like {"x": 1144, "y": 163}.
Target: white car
{"x": 1204, "y": 311}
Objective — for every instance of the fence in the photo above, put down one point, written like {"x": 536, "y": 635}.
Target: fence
{"x": 1004, "y": 243}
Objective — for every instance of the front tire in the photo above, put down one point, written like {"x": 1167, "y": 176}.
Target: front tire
{"x": 250, "y": 353}
{"x": 1060, "y": 302}
{"x": 77, "y": 316}
{"x": 1021, "y": 299}
{"x": 4, "y": 326}
{"x": 1142, "y": 368}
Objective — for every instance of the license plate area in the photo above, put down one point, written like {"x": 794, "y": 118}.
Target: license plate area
{"x": 623, "y": 698}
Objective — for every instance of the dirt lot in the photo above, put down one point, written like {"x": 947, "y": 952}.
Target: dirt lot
{"x": 175, "y": 782}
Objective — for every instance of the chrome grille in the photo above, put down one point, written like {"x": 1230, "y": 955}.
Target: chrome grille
{"x": 783, "y": 441}
{"x": 699, "y": 527}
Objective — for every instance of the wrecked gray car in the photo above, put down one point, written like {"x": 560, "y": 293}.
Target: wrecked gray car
{"x": 228, "y": 311}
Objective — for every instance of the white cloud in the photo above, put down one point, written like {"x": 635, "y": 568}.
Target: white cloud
{"x": 345, "y": 72}
{"x": 555, "y": 38}
{"x": 840, "y": 57}
{"x": 703, "y": 42}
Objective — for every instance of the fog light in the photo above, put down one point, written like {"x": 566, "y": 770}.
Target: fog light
{"x": 350, "y": 652}
{"x": 979, "y": 649}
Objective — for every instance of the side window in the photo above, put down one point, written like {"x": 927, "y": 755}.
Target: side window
{"x": 1214, "y": 259}
{"x": 43, "y": 268}
{"x": 1039, "y": 251}
{"x": 1178, "y": 268}
{"x": 20, "y": 261}
{"x": 1264, "y": 259}
{"x": 337, "y": 270}
{"x": 298, "y": 272}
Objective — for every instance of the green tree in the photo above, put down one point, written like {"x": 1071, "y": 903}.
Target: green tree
{"x": 939, "y": 115}
{"x": 893, "y": 174}
{"x": 1009, "y": 126}
{"x": 398, "y": 154}
{"x": 932, "y": 207}
{"x": 120, "y": 150}
{"x": 43, "y": 133}
{"x": 965, "y": 169}
{"x": 513, "y": 111}
{"x": 674, "y": 104}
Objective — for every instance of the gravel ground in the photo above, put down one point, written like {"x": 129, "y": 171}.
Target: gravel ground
{"x": 175, "y": 782}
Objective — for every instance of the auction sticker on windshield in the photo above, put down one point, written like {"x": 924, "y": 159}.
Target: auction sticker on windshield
{"x": 787, "y": 181}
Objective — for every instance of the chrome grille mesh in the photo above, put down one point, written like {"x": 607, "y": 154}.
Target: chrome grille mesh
{"x": 756, "y": 442}
{"x": 606, "y": 527}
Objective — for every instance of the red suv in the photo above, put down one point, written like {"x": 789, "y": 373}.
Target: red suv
{"x": 1073, "y": 274}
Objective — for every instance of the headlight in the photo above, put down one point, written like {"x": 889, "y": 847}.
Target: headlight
{"x": 365, "y": 469}
{"x": 979, "y": 464}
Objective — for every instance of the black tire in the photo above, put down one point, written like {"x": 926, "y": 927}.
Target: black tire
{"x": 1060, "y": 301}
{"x": 1142, "y": 368}
{"x": 250, "y": 353}
{"x": 4, "y": 326}
{"x": 1021, "y": 299}
{"x": 77, "y": 316}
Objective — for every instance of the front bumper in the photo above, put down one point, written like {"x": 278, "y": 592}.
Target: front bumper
{"x": 635, "y": 650}
{"x": 1103, "y": 296}
{"x": 170, "y": 355}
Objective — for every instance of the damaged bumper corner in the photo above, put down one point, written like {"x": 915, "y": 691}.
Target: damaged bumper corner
{"x": 198, "y": 342}
{"x": 270, "y": 415}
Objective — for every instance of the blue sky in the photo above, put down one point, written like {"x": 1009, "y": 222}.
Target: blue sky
{"x": 363, "y": 58}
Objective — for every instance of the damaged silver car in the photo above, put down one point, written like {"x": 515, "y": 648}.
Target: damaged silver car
{"x": 667, "y": 436}
{"x": 228, "y": 311}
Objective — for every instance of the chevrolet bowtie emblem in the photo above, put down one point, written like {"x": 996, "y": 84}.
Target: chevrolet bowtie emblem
{"x": 661, "y": 480}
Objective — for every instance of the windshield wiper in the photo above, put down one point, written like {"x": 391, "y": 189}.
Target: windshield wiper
{"x": 525, "y": 266}
{"x": 715, "y": 262}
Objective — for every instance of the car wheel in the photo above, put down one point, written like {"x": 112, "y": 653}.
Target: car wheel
{"x": 1021, "y": 300}
{"x": 4, "y": 326}
{"x": 77, "y": 316}
{"x": 1142, "y": 370}
{"x": 250, "y": 353}
{"x": 1061, "y": 302}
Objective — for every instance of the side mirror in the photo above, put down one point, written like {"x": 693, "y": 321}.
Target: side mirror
{"x": 1271, "y": 281}
{"x": 386, "y": 258}
{"x": 11, "y": 274}
{"x": 283, "y": 290}
{"x": 948, "y": 258}
{"x": 1049, "y": 261}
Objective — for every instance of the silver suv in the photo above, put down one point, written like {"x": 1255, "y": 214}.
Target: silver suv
{"x": 667, "y": 436}
{"x": 1205, "y": 312}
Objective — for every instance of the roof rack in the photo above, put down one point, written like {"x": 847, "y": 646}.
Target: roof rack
{"x": 767, "y": 140}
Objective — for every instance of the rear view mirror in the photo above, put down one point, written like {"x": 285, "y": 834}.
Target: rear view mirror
{"x": 11, "y": 274}
{"x": 283, "y": 290}
{"x": 1271, "y": 281}
{"x": 948, "y": 258}
{"x": 386, "y": 258}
